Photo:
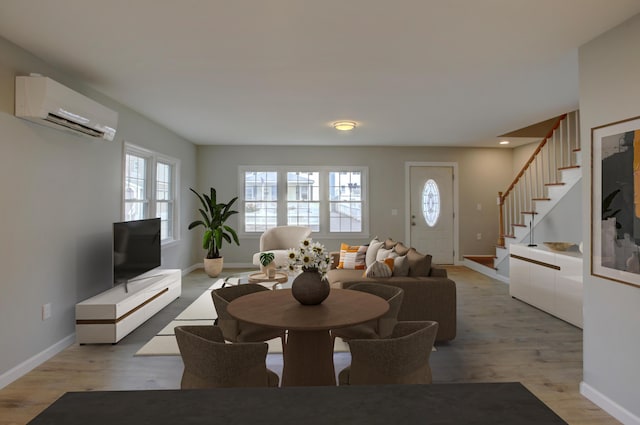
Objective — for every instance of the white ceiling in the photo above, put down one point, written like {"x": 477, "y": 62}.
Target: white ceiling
{"x": 278, "y": 72}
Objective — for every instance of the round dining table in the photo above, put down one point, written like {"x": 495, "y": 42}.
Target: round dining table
{"x": 308, "y": 353}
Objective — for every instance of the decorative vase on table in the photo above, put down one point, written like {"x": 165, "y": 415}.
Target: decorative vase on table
{"x": 309, "y": 288}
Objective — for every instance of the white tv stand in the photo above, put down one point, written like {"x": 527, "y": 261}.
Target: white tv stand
{"x": 110, "y": 316}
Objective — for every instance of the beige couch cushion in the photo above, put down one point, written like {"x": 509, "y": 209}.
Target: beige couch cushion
{"x": 389, "y": 243}
{"x": 401, "y": 249}
{"x": 372, "y": 251}
{"x": 419, "y": 264}
{"x": 378, "y": 269}
{"x": 383, "y": 254}
{"x": 401, "y": 266}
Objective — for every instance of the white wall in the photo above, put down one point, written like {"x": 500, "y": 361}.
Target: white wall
{"x": 482, "y": 173}
{"x": 521, "y": 155}
{"x": 60, "y": 194}
{"x": 563, "y": 221}
{"x": 609, "y": 92}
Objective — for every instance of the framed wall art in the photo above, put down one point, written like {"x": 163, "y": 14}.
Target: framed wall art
{"x": 615, "y": 201}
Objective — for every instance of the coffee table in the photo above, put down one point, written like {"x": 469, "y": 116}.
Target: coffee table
{"x": 308, "y": 354}
{"x": 279, "y": 282}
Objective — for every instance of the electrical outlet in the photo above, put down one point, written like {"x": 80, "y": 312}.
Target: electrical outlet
{"x": 46, "y": 311}
{"x": 479, "y": 236}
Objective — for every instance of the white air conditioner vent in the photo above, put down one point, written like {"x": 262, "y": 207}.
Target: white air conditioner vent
{"x": 46, "y": 102}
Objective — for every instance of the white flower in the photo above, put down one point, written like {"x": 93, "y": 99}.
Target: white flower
{"x": 310, "y": 255}
{"x": 292, "y": 254}
{"x": 305, "y": 244}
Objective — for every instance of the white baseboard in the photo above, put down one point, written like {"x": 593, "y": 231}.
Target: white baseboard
{"x": 192, "y": 268}
{"x": 35, "y": 361}
{"x": 608, "y": 405}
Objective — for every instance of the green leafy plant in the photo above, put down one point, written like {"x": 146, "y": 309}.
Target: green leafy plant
{"x": 266, "y": 258}
{"x": 214, "y": 215}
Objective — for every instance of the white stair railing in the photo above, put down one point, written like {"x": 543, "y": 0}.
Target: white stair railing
{"x": 556, "y": 152}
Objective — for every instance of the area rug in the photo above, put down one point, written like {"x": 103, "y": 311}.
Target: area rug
{"x": 201, "y": 313}
{"x": 444, "y": 404}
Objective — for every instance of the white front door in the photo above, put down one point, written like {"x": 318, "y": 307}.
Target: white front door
{"x": 431, "y": 213}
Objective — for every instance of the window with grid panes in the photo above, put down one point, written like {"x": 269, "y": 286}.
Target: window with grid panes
{"x": 325, "y": 199}
{"x": 150, "y": 189}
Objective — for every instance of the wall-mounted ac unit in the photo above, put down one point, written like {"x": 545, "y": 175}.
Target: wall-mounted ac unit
{"x": 44, "y": 101}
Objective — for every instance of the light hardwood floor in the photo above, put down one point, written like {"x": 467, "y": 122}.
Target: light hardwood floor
{"x": 499, "y": 340}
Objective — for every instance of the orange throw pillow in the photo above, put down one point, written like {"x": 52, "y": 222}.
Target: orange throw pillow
{"x": 352, "y": 257}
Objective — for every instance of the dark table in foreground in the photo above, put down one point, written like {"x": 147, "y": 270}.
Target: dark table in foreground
{"x": 495, "y": 404}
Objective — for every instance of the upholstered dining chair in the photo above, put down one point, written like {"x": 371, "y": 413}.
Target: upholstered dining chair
{"x": 382, "y": 326}
{"x": 238, "y": 331}
{"x": 403, "y": 358}
{"x": 209, "y": 362}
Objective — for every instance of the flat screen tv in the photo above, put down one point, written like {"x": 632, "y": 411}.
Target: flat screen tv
{"x": 136, "y": 248}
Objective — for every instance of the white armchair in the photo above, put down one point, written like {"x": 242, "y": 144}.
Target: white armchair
{"x": 278, "y": 240}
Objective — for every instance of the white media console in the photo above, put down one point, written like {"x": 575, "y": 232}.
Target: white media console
{"x": 548, "y": 280}
{"x": 110, "y": 316}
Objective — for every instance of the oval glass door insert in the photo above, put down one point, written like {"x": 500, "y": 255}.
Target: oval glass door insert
{"x": 431, "y": 202}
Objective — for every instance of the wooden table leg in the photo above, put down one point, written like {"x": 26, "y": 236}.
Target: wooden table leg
{"x": 308, "y": 359}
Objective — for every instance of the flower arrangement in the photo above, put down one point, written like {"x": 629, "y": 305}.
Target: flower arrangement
{"x": 311, "y": 256}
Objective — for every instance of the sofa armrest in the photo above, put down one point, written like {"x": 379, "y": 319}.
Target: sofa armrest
{"x": 438, "y": 272}
{"x": 425, "y": 298}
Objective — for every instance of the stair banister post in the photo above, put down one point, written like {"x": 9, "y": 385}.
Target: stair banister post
{"x": 501, "y": 215}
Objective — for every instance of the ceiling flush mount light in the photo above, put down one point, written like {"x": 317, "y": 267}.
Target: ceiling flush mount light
{"x": 344, "y": 125}
{"x": 504, "y": 142}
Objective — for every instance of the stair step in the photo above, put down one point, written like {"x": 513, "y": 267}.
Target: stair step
{"x": 555, "y": 184}
{"x": 501, "y": 246}
{"x": 570, "y": 167}
{"x": 519, "y": 225}
{"x": 540, "y": 199}
{"x": 577, "y": 150}
{"x": 485, "y": 260}
{"x": 528, "y": 212}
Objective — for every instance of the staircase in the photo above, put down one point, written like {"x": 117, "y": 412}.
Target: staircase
{"x": 551, "y": 171}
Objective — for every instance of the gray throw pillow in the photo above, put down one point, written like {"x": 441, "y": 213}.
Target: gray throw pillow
{"x": 401, "y": 266}
{"x": 419, "y": 264}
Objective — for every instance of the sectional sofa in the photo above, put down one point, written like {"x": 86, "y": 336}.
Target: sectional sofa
{"x": 428, "y": 293}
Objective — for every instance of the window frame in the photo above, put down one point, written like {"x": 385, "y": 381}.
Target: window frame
{"x": 153, "y": 159}
{"x": 325, "y": 202}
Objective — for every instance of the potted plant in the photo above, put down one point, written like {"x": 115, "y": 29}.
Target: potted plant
{"x": 214, "y": 215}
{"x": 268, "y": 267}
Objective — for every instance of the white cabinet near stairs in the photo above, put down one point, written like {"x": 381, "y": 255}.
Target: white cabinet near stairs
{"x": 111, "y": 315}
{"x": 548, "y": 280}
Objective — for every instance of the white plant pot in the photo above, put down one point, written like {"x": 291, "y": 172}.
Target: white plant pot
{"x": 269, "y": 270}
{"x": 213, "y": 266}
